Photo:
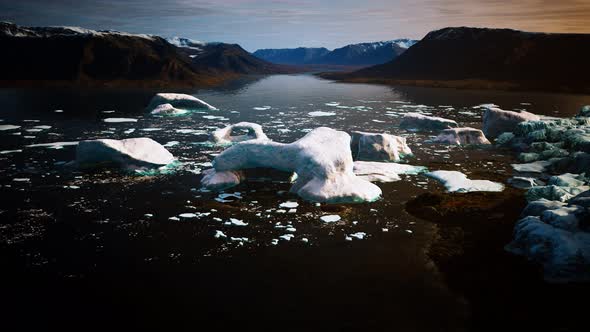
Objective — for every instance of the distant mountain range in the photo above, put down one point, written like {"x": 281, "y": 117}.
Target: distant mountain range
{"x": 364, "y": 54}
{"x": 226, "y": 58}
{"x": 77, "y": 56}
{"x": 487, "y": 58}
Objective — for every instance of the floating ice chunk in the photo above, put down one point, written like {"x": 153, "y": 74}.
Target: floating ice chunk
{"x": 178, "y": 100}
{"x": 274, "y": 242}
{"x": 261, "y": 108}
{"x": 332, "y": 104}
{"x": 129, "y": 153}
{"x": 330, "y": 218}
{"x": 287, "y": 237}
{"x": 42, "y": 127}
{"x": 21, "y": 180}
{"x": 384, "y": 172}
{"x": 8, "y": 127}
{"x": 214, "y": 117}
{"x": 174, "y": 218}
{"x": 462, "y": 136}
{"x": 378, "y": 147}
{"x": 219, "y": 235}
{"x": 119, "y": 120}
{"x": 424, "y": 122}
{"x": 151, "y": 129}
{"x": 497, "y": 121}
{"x": 58, "y": 111}
{"x": 171, "y": 143}
{"x": 485, "y": 106}
{"x": 291, "y": 229}
{"x": 10, "y": 151}
{"x": 168, "y": 110}
{"x": 458, "y": 182}
{"x": 358, "y": 235}
{"x": 320, "y": 113}
{"x": 224, "y": 135}
{"x": 304, "y": 239}
{"x": 54, "y": 145}
{"x": 187, "y": 215}
{"x": 239, "y": 239}
{"x": 129, "y": 131}
{"x": 236, "y": 222}
{"x": 289, "y": 205}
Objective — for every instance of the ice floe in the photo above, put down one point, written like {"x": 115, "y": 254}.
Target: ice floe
{"x": 458, "y": 182}
{"x": 119, "y": 120}
{"x": 127, "y": 153}
{"x": 320, "y": 113}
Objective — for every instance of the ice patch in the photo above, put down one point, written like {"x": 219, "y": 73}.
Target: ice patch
{"x": 330, "y": 218}
{"x": 321, "y": 113}
{"x": 289, "y": 205}
{"x": 261, "y": 108}
{"x": 458, "y": 182}
{"x": 8, "y": 127}
{"x": 119, "y": 120}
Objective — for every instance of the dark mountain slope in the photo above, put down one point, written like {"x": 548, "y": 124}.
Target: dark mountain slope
{"x": 474, "y": 57}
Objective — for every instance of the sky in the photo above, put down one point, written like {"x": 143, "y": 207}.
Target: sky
{"x": 258, "y": 24}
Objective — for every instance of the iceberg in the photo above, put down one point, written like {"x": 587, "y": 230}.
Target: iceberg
{"x": 462, "y": 136}
{"x": 168, "y": 109}
{"x": 178, "y": 100}
{"x": 128, "y": 153}
{"x": 497, "y": 121}
{"x": 322, "y": 160}
{"x": 378, "y": 147}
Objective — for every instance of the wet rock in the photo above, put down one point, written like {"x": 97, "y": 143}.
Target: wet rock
{"x": 582, "y": 199}
{"x": 527, "y": 157}
{"x": 536, "y": 208}
{"x": 427, "y": 123}
{"x": 534, "y": 167}
{"x": 127, "y": 153}
{"x": 322, "y": 160}
{"x": 497, "y": 121}
{"x": 585, "y": 111}
{"x": 228, "y": 134}
{"x": 378, "y": 147}
{"x": 564, "y": 254}
{"x": 578, "y": 162}
{"x": 462, "y": 136}
{"x": 504, "y": 138}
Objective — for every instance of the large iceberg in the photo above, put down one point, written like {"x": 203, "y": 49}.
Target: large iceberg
{"x": 127, "y": 153}
{"x": 378, "y": 147}
{"x": 497, "y": 121}
{"x": 428, "y": 123}
{"x": 458, "y": 182}
{"x": 322, "y": 160}
{"x": 178, "y": 100}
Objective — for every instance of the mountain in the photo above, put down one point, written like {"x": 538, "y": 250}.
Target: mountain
{"x": 364, "y": 54}
{"x": 292, "y": 56}
{"x": 68, "y": 56}
{"x": 488, "y": 58}
{"x": 226, "y": 58}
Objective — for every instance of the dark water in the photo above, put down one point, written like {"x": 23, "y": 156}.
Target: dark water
{"x": 93, "y": 249}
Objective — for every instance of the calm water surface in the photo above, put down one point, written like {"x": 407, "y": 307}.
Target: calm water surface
{"x": 94, "y": 248}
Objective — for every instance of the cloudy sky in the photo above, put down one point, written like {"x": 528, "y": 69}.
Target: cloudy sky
{"x": 289, "y": 23}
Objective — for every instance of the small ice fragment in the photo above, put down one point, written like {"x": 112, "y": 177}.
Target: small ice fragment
{"x": 220, "y": 234}
{"x": 289, "y": 205}
{"x": 330, "y": 218}
{"x": 174, "y": 218}
{"x": 119, "y": 120}
{"x": 287, "y": 237}
{"x": 358, "y": 235}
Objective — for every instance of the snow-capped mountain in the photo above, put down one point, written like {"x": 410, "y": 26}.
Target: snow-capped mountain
{"x": 186, "y": 43}
{"x": 363, "y": 54}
